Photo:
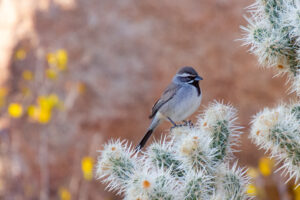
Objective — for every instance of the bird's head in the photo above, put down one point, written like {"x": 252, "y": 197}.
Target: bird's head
{"x": 187, "y": 75}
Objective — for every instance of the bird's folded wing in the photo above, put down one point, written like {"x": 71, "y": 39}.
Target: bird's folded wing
{"x": 166, "y": 96}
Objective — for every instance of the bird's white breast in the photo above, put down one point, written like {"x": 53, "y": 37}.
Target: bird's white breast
{"x": 183, "y": 104}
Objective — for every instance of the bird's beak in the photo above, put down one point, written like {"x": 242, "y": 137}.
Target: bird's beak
{"x": 198, "y": 78}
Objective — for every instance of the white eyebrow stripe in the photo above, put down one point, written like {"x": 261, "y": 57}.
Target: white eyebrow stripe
{"x": 185, "y": 75}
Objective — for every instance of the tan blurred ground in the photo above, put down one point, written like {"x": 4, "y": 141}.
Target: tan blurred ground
{"x": 126, "y": 52}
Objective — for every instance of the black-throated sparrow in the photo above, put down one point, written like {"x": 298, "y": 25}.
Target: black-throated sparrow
{"x": 181, "y": 99}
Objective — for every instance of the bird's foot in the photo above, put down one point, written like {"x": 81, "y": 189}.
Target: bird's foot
{"x": 187, "y": 123}
{"x": 176, "y": 126}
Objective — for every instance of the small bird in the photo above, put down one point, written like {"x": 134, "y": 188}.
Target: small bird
{"x": 180, "y": 99}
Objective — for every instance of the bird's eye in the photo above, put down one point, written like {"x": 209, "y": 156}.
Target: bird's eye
{"x": 187, "y": 79}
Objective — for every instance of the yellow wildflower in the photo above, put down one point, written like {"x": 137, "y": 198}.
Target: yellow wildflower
{"x": 266, "y": 166}
{"x": 43, "y": 112}
{"x": 51, "y": 74}
{"x": 53, "y": 100}
{"x": 15, "y": 110}
{"x": 44, "y": 115}
{"x": 32, "y": 111}
{"x": 87, "y": 167}
{"x": 20, "y": 54}
{"x": 64, "y": 194}
{"x": 251, "y": 190}
{"x": 43, "y": 102}
{"x": 27, "y": 75}
{"x": 51, "y": 59}
{"x": 297, "y": 192}
{"x": 62, "y": 59}
{"x": 48, "y": 102}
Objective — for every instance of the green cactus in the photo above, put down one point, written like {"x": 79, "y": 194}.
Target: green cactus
{"x": 191, "y": 164}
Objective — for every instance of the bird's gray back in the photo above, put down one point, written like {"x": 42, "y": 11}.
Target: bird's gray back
{"x": 168, "y": 94}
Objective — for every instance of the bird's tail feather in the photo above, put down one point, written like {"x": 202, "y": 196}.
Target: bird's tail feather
{"x": 144, "y": 140}
{"x": 155, "y": 122}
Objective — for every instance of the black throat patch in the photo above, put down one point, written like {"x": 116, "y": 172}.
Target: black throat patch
{"x": 196, "y": 85}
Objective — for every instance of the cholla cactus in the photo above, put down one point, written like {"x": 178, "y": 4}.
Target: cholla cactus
{"x": 278, "y": 131}
{"x": 190, "y": 163}
{"x": 274, "y": 35}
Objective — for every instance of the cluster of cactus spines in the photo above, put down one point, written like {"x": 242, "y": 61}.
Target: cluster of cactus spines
{"x": 274, "y": 36}
{"x": 118, "y": 162}
{"x": 278, "y": 131}
{"x": 192, "y": 162}
{"x": 296, "y": 85}
{"x": 232, "y": 183}
{"x": 218, "y": 122}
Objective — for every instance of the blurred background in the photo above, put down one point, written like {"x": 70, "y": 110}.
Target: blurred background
{"x": 75, "y": 73}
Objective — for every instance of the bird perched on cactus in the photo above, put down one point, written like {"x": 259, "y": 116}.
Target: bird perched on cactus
{"x": 181, "y": 99}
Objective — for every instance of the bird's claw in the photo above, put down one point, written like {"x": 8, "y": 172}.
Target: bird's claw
{"x": 176, "y": 126}
{"x": 185, "y": 123}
